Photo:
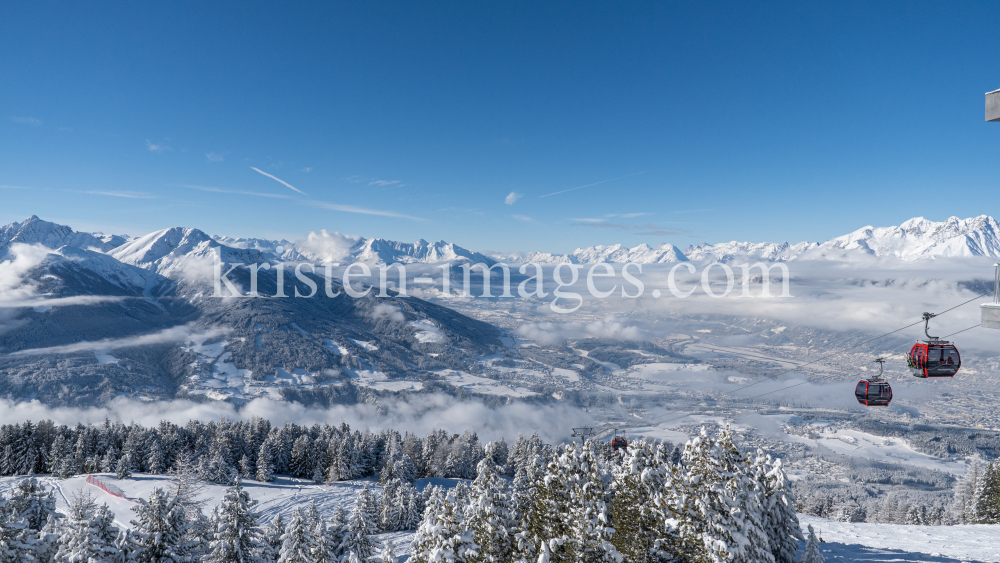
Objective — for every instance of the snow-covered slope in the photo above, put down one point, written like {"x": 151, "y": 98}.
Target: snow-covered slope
{"x": 36, "y": 231}
{"x": 389, "y": 251}
{"x": 288, "y": 251}
{"x": 617, "y": 253}
{"x": 915, "y": 239}
{"x": 170, "y": 251}
{"x": 920, "y": 238}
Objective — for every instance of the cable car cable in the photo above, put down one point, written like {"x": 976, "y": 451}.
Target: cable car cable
{"x": 772, "y": 378}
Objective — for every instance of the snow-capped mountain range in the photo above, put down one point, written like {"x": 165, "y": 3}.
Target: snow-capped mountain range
{"x": 168, "y": 251}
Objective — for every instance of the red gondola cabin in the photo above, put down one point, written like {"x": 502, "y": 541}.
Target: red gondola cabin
{"x": 619, "y": 443}
{"x": 934, "y": 358}
{"x": 873, "y": 393}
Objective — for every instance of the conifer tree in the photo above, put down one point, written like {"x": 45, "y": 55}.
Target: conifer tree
{"x": 780, "y": 523}
{"x": 272, "y": 538}
{"x": 441, "y": 536}
{"x": 159, "y": 530}
{"x": 987, "y": 496}
{"x": 362, "y": 526}
{"x": 88, "y": 535}
{"x": 811, "y": 553}
{"x": 297, "y": 543}
{"x": 265, "y": 462}
{"x": 236, "y": 538}
{"x": 32, "y": 502}
{"x": 489, "y": 515}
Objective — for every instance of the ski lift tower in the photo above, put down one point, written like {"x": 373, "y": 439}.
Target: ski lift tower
{"x": 991, "y": 311}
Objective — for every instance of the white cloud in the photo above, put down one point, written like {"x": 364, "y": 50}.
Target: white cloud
{"x": 361, "y": 210}
{"x": 386, "y": 183}
{"x": 156, "y": 148}
{"x": 129, "y": 195}
{"x": 26, "y": 120}
{"x": 279, "y": 180}
{"x": 325, "y": 246}
{"x": 548, "y": 333}
{"x": 391, "y": 312}
{"x": 512, "y": 197}
{"x": 182, "y": 333}
{"x": 236, "y": 192}
{"x": 524, "y": 218}
{"x": 214, "y": 156}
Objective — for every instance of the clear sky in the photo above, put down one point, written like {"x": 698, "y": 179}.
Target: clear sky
{"x": 678, "y": 122}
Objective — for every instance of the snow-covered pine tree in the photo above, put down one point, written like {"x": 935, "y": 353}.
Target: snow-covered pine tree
{"x": 390, "y": 509}
{"x": 297, "y": 543}
{"x": 336, "y": 529}
{"x": 697, "y": 502}
{"x": 411, "y": 499}
{"x": 963, "y": 504}
{"x": 159, "y": 530}
{"x": 32, "y": 502}
{"x": 123, "y": 470}
{"x": 362, "y": 526}
{"x": 323, "y": 549}
{"x": 236, "y": 538}
{"x": 388, "y": 553}
{"x": 811, "y": 553}
{"x": 441, "y": 536}
{"x": 780, "y": 522}
{"x": 302, "y": 465}
{"x": 88, "y": 535}
{"x": 272, "y": 538}
{"x": 746, "y": 503}
{"x": 265, "y": 462}
{"x": 590, "y": 521}
{"x": 489, "y": 514}
{"x": 987, "y": 496}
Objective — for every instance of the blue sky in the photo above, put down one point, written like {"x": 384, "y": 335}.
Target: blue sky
{"x": 678, "y": 122}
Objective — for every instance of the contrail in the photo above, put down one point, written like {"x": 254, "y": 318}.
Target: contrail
{"x": 588, "y": 185}
{"x": 279, "y": 180}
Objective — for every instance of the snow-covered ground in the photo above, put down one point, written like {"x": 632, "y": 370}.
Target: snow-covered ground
{"x": 892, "y": 542}
{"x": 283, "y": 496}
{"x": 843, "y": 541}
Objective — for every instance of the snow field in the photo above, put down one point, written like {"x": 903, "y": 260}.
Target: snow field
{"x": 847, "y": 541}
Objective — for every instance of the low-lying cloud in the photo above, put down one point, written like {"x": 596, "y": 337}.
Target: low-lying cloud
{"x": 549, "y": 333}
{"x": 183, "y": 333}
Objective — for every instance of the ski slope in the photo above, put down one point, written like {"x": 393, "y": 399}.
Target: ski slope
{"x": 893, "y": 542}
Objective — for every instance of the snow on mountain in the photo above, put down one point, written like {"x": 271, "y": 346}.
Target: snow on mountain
{"x": 727, "y": 251}
{"x": 81, "y": 268}
{"x": 36, "y": 231}
{"x": 616, "y": 254}
{"x": 915, "y": 239}
{"x": 920, "y": 238}
{"x": 388, "y": 251}
{"x": 170, "y": 251}
{"x": 288, "y": 249}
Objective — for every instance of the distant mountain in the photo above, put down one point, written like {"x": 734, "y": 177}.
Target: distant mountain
{"x": 616, "y": 254}
{"x": 36, "y": 231}
{"x": 169, "y": 251}
{"x": 915, "y": 239}
{"x": 388, "y": 251}
{"x": 82, "y": 326}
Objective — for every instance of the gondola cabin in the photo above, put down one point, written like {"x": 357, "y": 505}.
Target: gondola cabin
{"x": 619, "y": 443}
{"x": 873, "y": 393}
{"x": 934, "y": 358}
